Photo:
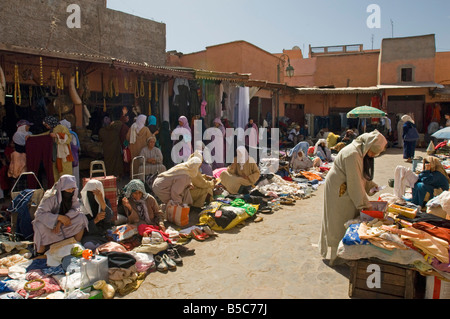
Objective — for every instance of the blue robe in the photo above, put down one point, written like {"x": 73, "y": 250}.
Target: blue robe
{"x": 428, "y": 181}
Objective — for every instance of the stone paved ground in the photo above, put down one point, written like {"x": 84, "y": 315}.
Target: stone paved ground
{"x": 274, "y": 259}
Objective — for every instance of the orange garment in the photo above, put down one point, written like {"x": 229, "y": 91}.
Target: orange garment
{"x": 18, "y": 164}
{"x": 310, "y": 176}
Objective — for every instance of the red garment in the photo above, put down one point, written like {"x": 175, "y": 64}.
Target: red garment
{"x": 441, "y": 144}
{"x": 146, "y": 230}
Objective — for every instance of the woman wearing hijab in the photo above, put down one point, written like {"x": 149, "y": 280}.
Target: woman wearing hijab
{"x": 109, "y": 135}
{"x": 432, "y": 177}
{"x": 166, "y": 144}
{"x": 141, "y": 207}
{"x": 137, "y": 137}
{"x": 322, "y": 151}
{"x": 152, "y": 125}
{"x": 301, "y": 162}
{"x": 175, "y": 184}
{"x": 243, "y": 172}
{"x": 183, "y": 130}
{"x": 59, "y": 216}
{"x": 410, "y": 137}
{"x": 98, "y": 211}
{"x": 347, "y": 188}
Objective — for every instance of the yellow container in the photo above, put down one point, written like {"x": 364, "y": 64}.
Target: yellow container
{"x": 404, "y": 211}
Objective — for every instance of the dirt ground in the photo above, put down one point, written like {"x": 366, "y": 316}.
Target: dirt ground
{"x": 277, "y": 258}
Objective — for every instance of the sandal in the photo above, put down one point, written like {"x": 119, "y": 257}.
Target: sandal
{"x": 286, "y": 201}
{"x": 265, "y": 210}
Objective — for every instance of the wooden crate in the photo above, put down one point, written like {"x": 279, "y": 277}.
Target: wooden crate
{"x": 396, "y": 282}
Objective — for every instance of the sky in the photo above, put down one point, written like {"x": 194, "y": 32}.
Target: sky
{"x": 193, "y": 25}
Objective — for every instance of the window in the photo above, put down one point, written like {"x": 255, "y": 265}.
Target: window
{"x": 407, "y": 74}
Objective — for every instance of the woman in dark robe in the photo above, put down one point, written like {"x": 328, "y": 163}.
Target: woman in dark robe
{"x": 98, "y": 212}
{"x": 166, "y": 144}
{"x": 109, "y": 135}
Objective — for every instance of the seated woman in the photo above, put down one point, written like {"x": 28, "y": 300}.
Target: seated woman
{"x": 141, "y": 207}
{"x": 322, "y": 151}
{"x": 243, "y": 172}
{"x": 153, "y": 158}
{"x": 432, "y": 177}
{"x": 59, "y": 216}
{"x": 175, "y": 184}
{"x": 300, "y": 162}
{"x": 98, "y": 211}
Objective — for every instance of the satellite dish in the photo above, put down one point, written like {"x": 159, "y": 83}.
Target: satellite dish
{"x": 296, "y": 48}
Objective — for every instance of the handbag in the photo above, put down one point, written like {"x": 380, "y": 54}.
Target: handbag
{"x": 179, "y": 215}
{"x": 126, "y": 155}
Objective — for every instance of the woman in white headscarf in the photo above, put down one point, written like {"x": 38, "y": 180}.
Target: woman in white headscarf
{"x": 59, "y": 216}
{"x": 98, "y": 211}
{"x": 175, "y": 184}
{"x": 242, "y": 172}
{"x": 301, "y": 162}
{"x": 322, "y": 151}
{"x": 137, "y": 137}
{"x": 347, "y": 188}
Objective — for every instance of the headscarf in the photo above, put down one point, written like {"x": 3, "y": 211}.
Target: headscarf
{"x": 137, "y": 127}
{"x": 65, "y": 182}
{"x": 221, "y": 126}
{"x": 51, "y": 121}
{"x": 133, "y": 186}
{"x": 90, "y": 186}
{"x": 407, "y": 118}
{"x": 151, "y": 120}
{"x": 141, "y": 206}
{"x": 20, "y": 136}
{"x": 319, "y": 143}
{"x": 190, "y": 167}
{"x": 436, "y": 166}
{"x": 185, "y": 123}
{"x": 374, "y": 142}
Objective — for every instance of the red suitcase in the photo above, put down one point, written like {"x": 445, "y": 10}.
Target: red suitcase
{"x": 109, "y": 184}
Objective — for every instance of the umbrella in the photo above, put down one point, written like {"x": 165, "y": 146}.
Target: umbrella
{"x": 365, "y": 111}
{"x": 443, "y": 134}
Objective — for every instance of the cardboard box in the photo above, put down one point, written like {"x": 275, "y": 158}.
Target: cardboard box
{"x": 437, "y": 288}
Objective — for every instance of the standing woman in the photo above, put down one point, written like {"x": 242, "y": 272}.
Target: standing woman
{"x": 166, "y": 144}
{"x": 183, "y": 130}
{"x": 137, "y": 136}
{"x": 410, "y": 136}
{"x": 109, "y": 135}
{"x": 347, "y": 188}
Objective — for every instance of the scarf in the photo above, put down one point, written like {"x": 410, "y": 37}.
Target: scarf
{"x": 66, "y": 202}
{"x": 20, "y": 135}
{"x": 90, "y": 207}
{"x": 137, "y": 127}
{"x": 436, "y": 166}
